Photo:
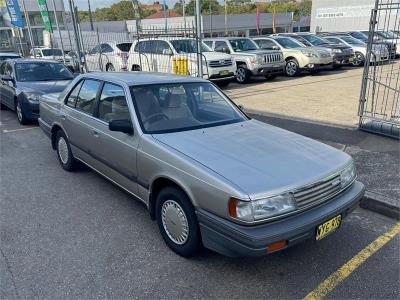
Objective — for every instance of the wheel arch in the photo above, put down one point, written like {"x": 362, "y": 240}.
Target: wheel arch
{"x": 54, "y": 129}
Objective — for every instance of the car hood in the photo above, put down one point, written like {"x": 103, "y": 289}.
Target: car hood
{"x": 334, "y": 46}
{"x": 43, "y": 87}
{"x": 259, "y": 158}
{"x": 216, "y": 55}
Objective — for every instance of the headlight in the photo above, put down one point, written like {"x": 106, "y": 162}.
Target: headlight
{"x": 347, "y": 175}
{"x": 32, "y": 97}
{"x": 253, "y": 60}
{"x": 309, "y": 53}
{"x": 261, "y": 209}
{"x": 336, "y": 50}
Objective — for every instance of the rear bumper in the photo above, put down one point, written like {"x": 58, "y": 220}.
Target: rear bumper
{"x": 341, "y": 59}
{"x": 231, "y": 239}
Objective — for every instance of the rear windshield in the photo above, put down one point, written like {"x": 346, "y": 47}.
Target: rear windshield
{"x": 124, "y": 46}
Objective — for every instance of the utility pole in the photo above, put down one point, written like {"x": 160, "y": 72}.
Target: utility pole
{"x": 28, "y": 24}
{"x": 198, "y": 33}
{"x": 58, "y": 29}
{"x": 226, "y": 17}
{"x": 78, "y": 48}
{"x": 90, "y": 16}
{"x": 210, "y": 18}
{"x": 184, "y": 15}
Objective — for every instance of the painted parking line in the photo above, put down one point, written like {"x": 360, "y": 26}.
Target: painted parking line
{"x": 19, "y": 129}
{"x": 341, "y": 274}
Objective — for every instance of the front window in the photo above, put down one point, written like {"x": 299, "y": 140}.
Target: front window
{"x": 387, "y": 34}
{"x": 239, "y": 45}
{"x": 315, "y": 40}
{"x": 352, "y": 41}
{"x": 188, "y": 46}
{"x": 288, "y": 43}
{"x": 52, "y": 52}
{"x": 165, "y": 108}
{"x": 42, "y": 71}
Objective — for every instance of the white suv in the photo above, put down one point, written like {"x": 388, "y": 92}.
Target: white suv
{"x": 162, "y": 55}
{"x": 109, "y": 56}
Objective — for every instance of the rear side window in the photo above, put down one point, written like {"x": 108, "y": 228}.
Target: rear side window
{"x": 219, "y": 46}
{"x": 87, "y": 96}
{"x": 112, "y": 104}
{"x": 71, "y": 101}
{"x": 208, "y": 43}
{"x": 106, "y": 48}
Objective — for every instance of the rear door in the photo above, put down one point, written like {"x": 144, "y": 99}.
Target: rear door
{"x": 115, "y": 151}
{"x": 7, "y": 88}
{"x": 77, "y": 118}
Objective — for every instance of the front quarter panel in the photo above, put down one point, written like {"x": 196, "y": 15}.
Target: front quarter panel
{"x": 205, "y": 188}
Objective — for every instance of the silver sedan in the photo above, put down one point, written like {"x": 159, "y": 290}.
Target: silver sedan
{"x": 210, "y": 175}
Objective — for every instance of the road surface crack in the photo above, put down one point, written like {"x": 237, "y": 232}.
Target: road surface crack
{"x": 11, "y": 273}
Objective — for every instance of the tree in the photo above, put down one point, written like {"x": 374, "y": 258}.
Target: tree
{"x": 204, "y": 7}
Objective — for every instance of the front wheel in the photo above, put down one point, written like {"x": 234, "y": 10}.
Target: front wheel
{"x": 358, "y": 59}
{"x": 177, "y": 222}
{"x": 242, "y": 74}
{"x": 21, "y": 115}
{"x": 110, "y": 68}
{"x": 292, "y": 68}
{"x": 64, "y": 153}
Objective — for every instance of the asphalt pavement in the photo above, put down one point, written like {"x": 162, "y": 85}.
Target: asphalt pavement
{"x": 76, "y": 235}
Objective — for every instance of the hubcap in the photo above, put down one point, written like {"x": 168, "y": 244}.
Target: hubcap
{"x": 175, "y": 222}
{"x": 19, "y": 112}
{"x": 291, "y": 68}
{"x": 241, "y": 74}
{"x": 357, "y": 60}
{"x": 63, "y": 150}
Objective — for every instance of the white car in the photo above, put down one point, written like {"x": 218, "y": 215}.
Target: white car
{"x": 53, "y": 54}
{"x": 173, "y": 55}
{"x": 380, "y": 52}
{"x": 108, "y": 56}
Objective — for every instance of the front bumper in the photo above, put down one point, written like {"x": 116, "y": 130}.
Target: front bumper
{"x": 342, "y": 59}
{"x": 31, "y": 109}
{"x": 269, "y": 69}
{"x": 231, "y": 239}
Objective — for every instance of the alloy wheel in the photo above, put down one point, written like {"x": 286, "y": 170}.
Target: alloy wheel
{"x": 63, "y": 152}
{"x": 291, "y": 68}
{"x": 19, "y": 112}
{"x": 175, "y": 222}
{"x": 110, "y": 68}
{"x": 358, "y": 59}
{"x": 241, "y": 74}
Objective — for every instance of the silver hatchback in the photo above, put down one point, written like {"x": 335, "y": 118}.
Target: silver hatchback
{"x": 210, "y": 175}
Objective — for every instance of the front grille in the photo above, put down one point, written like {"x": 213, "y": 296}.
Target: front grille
{"x": 272, "y": 58}
{"x": 318, "y": 192}
{"x": 220, "y": 63}
{"x": 324, "y": 54}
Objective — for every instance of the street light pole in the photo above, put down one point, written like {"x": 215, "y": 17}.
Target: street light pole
{"x": 90, "y": 16}
{"x": 28, "y": 24}
{"x": 198, "y": 33}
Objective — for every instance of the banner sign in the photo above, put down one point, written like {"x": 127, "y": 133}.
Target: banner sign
{"x": 44, "y": 12}
{"x": 15, "y": 13}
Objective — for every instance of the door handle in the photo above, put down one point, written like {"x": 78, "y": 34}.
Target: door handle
{"x": 95, "y": 133}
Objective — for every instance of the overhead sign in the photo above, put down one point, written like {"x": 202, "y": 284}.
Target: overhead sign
{"x": 44, "y": 12}
{"x": 15, "y": 13}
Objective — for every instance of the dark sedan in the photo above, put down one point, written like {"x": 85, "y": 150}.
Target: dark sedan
{"x": 22, "y": 81}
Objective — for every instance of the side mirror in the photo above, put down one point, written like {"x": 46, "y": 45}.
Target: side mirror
{"x": 123, "y": 125}
{"x": 168, "y": 51}
{"x": 6, "y": 78}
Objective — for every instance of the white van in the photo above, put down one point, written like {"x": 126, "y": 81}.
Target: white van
{"x": 163, "y": 54}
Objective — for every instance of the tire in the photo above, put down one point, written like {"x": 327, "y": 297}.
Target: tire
{"x": 136, "y": 68}
{"x": 182, "y": 235}
{"x": 292, "y": 68}
{"x": 64, "y": 153}
{"x": 21, "y": 115}
{"x": 223, "y": 83}
{"x": 242, "y": 74}
{"x": 110, "y": 68}
{"x": 358, "y": 59}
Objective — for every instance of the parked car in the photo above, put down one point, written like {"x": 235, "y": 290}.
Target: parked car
{"x": 364, "y": 38}
{"x": 8, "y": 55}
{"x": 76, "y": 65}
{"x": 297, "y": 56}
{"x": 22, "y": 81}
{"x": 52, "y": 54}
{"x": 249, "y": 58}
{"x": 109, "y": 57}
{"x": 208, "y": 174}
{"x": 342, "y": 55}
{"x": 387, "y": 37}
{"x": 160, "y": 55}
{"x": 380, "y": 52}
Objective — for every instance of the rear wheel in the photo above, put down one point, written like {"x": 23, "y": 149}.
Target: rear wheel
{"x": 64, "y": 153}
{"x": 177, "y": 222}
{"x": 242, "y": 74}
{"x": 136, "y": 68}
{"x": 292, "y": 67}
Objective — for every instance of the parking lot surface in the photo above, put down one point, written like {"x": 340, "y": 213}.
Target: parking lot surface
{"x": 75, "y": 235}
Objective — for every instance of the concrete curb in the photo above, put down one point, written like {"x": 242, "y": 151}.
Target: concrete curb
{"x": 380, "y": 204}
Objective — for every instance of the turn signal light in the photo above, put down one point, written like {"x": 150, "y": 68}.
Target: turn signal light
{"x": 276, "y": 246}
{"x": 232, "y": 207}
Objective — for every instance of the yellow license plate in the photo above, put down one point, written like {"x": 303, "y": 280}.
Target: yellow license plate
{"x": 328, "y": 227}
{"x": 224, "y": 72}
{"x": 351, "y": 59}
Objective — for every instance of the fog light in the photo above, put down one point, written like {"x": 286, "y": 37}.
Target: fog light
{"x": 276, "y": 246}
{"x": 311, "y": 66}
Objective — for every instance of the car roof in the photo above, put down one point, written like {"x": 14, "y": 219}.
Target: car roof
{"x": 33, "y": 60}
{"x": 9, "y": 54}
{"x": 142, "y": 78}
{"x": 226, "y": 38}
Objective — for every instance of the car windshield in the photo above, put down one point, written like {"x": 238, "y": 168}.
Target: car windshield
{"x": 288, "y": 43}
{"x": 387, "y": 34}
{"x": 359, "y": 35}
{"x": 314, "y": 40}
{"x": 188, "y": 46}
{"x": 42, "y": 71}
{"x": 352, "y": 41}
{"x": 51, "y": 52}
{"x": 124, "y": 46}
{"x": 239, "y": 45}
{"x": 4, "y": 57}
{"x": 176, "y": 107}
